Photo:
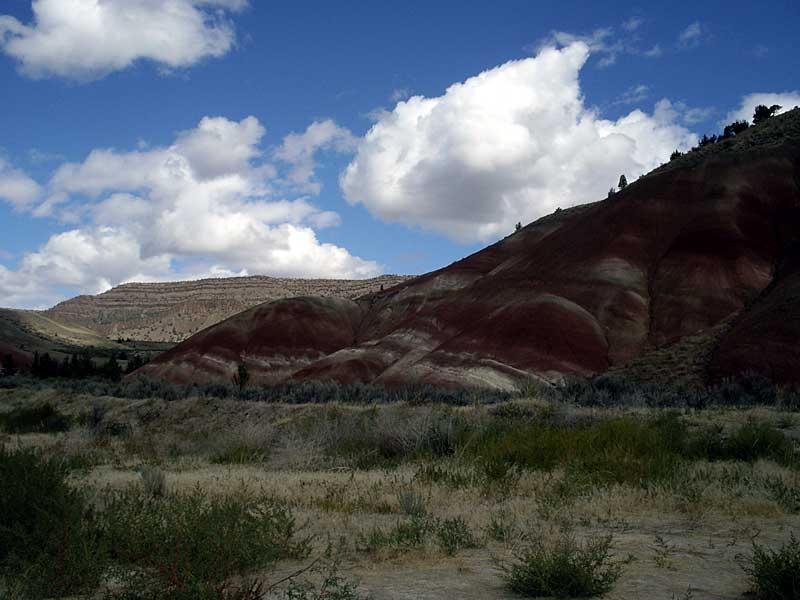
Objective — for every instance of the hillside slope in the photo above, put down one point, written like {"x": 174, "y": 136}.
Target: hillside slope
{"x": 23, "y": 332}
{"x": 171, "y": 312}
{"x": 677, "y": 253}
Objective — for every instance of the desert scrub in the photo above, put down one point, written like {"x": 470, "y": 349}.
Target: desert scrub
{"x": 775, "y": 574}
{"x": 453, "y": 534}
{"x": 192, "y": 540}
{"x": 238, "y": 454}
{"x": 34, "y": 419}
{"x": 50, "y": 543}
{"x": 564, "y": 568}
{"x": 154, "y": 481}
{"x": 404, "y": 535}
{"x": 450, "y": 535}
{"x": 330, "y": 585}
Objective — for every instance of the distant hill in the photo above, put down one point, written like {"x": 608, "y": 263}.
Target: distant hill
{"x": 692, "y": 271}
{"x": 23, "y": 332}
{"x": 171, "y": 312}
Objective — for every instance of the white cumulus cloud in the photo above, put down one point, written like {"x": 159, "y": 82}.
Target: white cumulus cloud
{"x": 786, "y": 100}
{"x": 201, "y": 206}
{"x": 88, "y": 39}
{"x": 510, "y": 144}
{"x": 16, "y": 187}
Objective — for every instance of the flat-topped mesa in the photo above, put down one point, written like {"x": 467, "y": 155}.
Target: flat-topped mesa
{"x": 173, "y": 311}
{"x": 703, "y": 241}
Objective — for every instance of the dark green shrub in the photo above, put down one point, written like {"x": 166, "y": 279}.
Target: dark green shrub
{"x": 34, "y": 419}
{"x": 758, "y": 440}
{"x": 748, "y": 389}
{"x": 564, "y": 569}
{"x": 453, "y": 535}
{"x": 750, "y": 442}
{"x": 189, "y": 540}
{"x": 49, "y": 542}
{"x": 775, "y": 574}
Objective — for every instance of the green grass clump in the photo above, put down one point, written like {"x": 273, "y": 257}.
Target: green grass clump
{"x": 751, "y": 442}
{"x": 621, "y": 450}
{"x": 564, "y": 569}
{"x": 34, "y": 419}
{"x": 615, "y": 451}
{"x": 50, "y": 544}
{"x": 775, "y": 574}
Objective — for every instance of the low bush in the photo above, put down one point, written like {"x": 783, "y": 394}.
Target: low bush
{"x": 453, "y": 535}
{"x": 49, "y": 540}
{"x": 34, "y": 419}
{"x": 775, "y": 574}
{"x": 564, "y": 568}
{"x": 190, "y": 540}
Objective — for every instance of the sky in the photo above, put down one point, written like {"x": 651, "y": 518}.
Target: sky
{"x": 157, "y": 140}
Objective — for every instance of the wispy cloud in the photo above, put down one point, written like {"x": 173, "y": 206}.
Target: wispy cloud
{"x": 653, "y": 52}
{"x": 691, "y": 36}
{"x": 634, "y": 94}
{"x": 632, "y": 24}
{"x": 607, "y": 43}
{"x": 38, "y": 156}
{"x": 399, "y": 94}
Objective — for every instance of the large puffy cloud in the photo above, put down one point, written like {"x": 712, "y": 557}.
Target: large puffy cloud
{"x": 786, "y": 100}
{"x": 87, "y": 39}
{"x": 16, "y": 187}
{"x": 510, "y": 144}
{"x": 201, "y": 206}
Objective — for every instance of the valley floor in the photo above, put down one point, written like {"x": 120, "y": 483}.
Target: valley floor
{"x": 427, "y": 501}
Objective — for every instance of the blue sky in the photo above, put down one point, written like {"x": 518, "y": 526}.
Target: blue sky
{"x": 109, "y": 172}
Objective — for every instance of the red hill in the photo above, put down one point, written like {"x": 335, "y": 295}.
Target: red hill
{"x": 709, "y": 238}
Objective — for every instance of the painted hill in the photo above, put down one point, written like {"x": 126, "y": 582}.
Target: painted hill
{"x": 704, "y": 245}
{"x": 171, "y": 312}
